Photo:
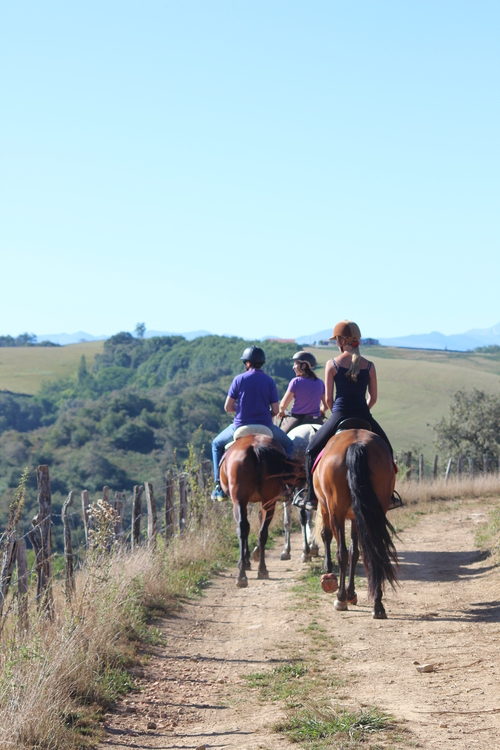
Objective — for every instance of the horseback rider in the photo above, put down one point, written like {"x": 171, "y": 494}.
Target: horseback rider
{"x": 355, "y": 382}
{"x": 307, "y": 391}
{"x": 253, "y": 398}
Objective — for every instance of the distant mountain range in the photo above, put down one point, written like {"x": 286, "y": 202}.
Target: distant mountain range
{"x": 435, "y": 340}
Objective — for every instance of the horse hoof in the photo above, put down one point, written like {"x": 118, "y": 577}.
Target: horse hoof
{"x": 315, "y": 550}
{"x": 329, "y": 583}
{"x": 354, "y": 600}
{"x": 306, "y": 557}
{"x": 242, "y": 583}
{"x": 379, "y": 615}
{"x": 285, "y": 556}
{"x": 262, "y": 575}
{"x": 340, "y": 606}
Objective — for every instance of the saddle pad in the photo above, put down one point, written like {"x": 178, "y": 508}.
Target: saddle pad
{"x": 316, "y": 460}
{"x": 252, "y": 429}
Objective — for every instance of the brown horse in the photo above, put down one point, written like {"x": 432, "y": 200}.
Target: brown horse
{"x": 354, "y": 480}
{"x": 255, "y": 469}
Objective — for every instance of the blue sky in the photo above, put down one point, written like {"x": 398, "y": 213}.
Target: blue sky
{"x": 255, "y": 168}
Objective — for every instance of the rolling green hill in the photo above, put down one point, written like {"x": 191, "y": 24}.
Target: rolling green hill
{"x": 415, "y": 386}
{"x": 25, "y": 369}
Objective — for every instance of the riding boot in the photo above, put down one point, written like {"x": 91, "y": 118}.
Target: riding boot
{"x": 310, "y": 499}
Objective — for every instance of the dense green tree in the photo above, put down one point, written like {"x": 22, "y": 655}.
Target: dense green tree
{"x": 472, "y": 427}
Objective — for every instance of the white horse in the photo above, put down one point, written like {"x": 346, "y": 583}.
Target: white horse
{"x": 300, "y": 437}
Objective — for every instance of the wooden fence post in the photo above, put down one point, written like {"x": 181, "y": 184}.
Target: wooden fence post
{"x": 41, "y": 538}
{"x": 105, "y": 494}
{"x": 136, "y": 515}
{"x": 169, "y": 506}
{"x": 435, "y": 469}
{"x": 408, "y": 465}
{"x": 448, "y": 469}
{"x": 183, "y": 502}
{"x": 22, "y": 585}
{"x": 85, "y": 515}
{"x": 8, "y": 561}
{"x": 420, "y": 468}
{"x": 69, "y": 564}
{"x": 118, "y": 506}
{"x": 152, "y": 518}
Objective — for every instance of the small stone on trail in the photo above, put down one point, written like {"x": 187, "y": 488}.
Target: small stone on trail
{"x": 426, "y": 668}
{"x": 151, "y": 725}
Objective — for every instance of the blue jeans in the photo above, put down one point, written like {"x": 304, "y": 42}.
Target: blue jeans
{"x": 226, "y": 436}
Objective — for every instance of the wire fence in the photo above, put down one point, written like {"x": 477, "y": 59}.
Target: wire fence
{"x": 134, "y": 518}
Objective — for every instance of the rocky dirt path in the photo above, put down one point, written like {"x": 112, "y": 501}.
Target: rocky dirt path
{"x": 445, "y": 614}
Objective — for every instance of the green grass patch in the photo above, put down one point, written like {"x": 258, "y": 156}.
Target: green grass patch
{"x": 488, "y": 535}
{"x": 282, "y": 683}
{"x": 309, "y": 585}
{"x": 318, "y": 728}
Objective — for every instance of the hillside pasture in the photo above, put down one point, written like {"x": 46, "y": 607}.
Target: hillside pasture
{"x": 23, "y": 369}
{"x": 415, "y": 389}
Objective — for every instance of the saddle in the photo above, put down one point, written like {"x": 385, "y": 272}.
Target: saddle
{"x": 249, "y": 429}
{"x": 350, "y": 423}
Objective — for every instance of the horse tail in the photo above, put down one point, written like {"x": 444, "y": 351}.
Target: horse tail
{"x": 379, "y": 554}
{"x": 272, "y": 462}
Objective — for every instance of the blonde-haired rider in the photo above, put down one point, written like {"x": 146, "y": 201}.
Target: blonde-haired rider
{"x": 351, "y": 391}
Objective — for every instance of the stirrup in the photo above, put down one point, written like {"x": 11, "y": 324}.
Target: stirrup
{"x": 299, "y": 499}
{"x": 396, "y": 501}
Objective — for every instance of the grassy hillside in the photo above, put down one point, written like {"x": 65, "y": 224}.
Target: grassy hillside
{"x": 24, "y": 369}
{"x": 415, "y": 387}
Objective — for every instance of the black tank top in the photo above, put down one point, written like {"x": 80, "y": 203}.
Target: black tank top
{"x": 350, "y": 395}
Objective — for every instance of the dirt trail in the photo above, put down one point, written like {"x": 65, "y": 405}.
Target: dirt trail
{"x": 445, "y": 613}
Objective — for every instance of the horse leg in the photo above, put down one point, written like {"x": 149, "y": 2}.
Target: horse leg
{"x": 342, "y": 558}
{"x": 268, "y": 514}
{"x": 306, "y": 549}
{"x": 379, "y": 612}
{"x": 313, "y": 545}
{"x": 287, "y": 526}
{"x": 327, "y": 537}
{"x": 352, "y": 597}
{"x": 243, "y": 528}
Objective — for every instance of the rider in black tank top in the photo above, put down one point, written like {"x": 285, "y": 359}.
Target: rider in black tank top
{"x": 351, "y": 382}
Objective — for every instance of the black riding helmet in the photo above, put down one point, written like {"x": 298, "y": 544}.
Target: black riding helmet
{"x": 305, "y": 357}
{"x": 253, "y": 354}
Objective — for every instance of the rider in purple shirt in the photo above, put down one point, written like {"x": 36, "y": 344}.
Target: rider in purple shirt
{"x": 253, "y": 398}
{"x": 306, "y": 391}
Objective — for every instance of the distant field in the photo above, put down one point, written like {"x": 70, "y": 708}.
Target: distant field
{"x": 24, "y": 369}
{"x": 415, "y": 388}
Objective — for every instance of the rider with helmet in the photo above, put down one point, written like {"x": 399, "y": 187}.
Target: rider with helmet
{"x": 306, "y": 390}
{"x": 355, "y": 382}
{"x": 253, "y": 398}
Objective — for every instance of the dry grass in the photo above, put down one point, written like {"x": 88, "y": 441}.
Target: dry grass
{"x": 484, "y": 485}
{"x": 56, "y": 679}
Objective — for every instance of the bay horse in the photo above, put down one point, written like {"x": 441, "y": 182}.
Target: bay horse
{"x": 255, "y": 469}
{"x": 354, "y": 480}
